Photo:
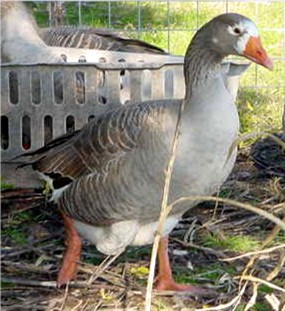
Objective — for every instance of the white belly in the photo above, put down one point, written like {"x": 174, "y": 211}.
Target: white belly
{"x": 113, "y": 239}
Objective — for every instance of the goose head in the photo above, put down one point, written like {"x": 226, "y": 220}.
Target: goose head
{"x": 233, "y": 34}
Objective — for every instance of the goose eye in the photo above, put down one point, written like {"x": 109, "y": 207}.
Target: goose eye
{"x": 237, "y": 31}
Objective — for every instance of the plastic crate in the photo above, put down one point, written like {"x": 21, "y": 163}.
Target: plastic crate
{"x": 44, "y": 101}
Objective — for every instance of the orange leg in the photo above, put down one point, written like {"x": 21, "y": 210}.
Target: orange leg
{"x": 73, "y": 243}
{"x": 165, "y": 281}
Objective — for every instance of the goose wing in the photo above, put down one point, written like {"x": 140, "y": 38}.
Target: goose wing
{"x": 125, "y": 156}
{"x": 111, "y": 136}
{"x": 93, "y": 38}
{"x": 110, "y": 164}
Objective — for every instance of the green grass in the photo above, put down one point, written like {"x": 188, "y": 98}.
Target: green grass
{"x": 280, "y": 238}
{"x": 5, "y": 185}
{"x": 239, "y": 243}
{"x": 260, "y": 109}
{"x": 265, "y": 289}
{"x": 16, "y": 228}
{"x": 211, "y": 272}
{"x": 6, "y": 284}
{"x": 260, "y": 306}
{"x": 16, "y": 235}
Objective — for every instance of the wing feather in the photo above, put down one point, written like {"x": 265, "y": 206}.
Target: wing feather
{"x": 90, "y": 150}
{"x": 92, "y": 38}
{"x": 110, "y": 160}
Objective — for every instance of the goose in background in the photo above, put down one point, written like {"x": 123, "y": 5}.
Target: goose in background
{"x": 85, "y": 37}
{"x": 108, "y": 177}
{"x": 20, "y": 41}
{"x": 23, "y": 42}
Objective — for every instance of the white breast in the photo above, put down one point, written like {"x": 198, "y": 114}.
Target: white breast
{"x": 112, "y": 239}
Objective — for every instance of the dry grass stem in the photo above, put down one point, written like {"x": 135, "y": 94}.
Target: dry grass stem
{"x": 65, "y": 297}
{"x": 260, "y": 252}
{"x": 233, "y": 303}
{"x": 258, "y": 280}
{"x": 217, "y": 253}
{"x": 28, "y": 282}
{"x": 253, "y": 298}
{"x": 252, "y": 263}
{"x": 113, "y": 281}
{"x": 274, "y": 302}
{"x": 267, "y": 241}
{"x": 188, "y": 236}
{"x": 165, "y": 209}
{"x": 103, "y": 266}
{"x": 76, "y": 307}
{"x": 278, "y": 267}
{"x": 272, "y": 234}
{"x": 248, "y": 207}
{"x": 246, "y": 136}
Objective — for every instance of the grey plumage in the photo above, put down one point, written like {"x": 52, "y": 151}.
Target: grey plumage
{"x": 102, "y": 151}
{"x": 84, "y": 37}
{"x": 114, "y": 168}
{"x": 20, "y": 42}
{"x": 19, "y": 32}
{"x": 93, "y": 38}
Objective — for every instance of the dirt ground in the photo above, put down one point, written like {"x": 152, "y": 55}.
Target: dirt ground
{"x": 200, "y": 246}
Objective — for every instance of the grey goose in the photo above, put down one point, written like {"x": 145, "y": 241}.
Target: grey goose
{"x": 109, "y": 176}
{"x": 22, "y": 41}
{"x": 85, "y": 37}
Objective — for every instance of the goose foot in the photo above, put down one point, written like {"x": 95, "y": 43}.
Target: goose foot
{"x": 165, "y": 284}
{"x": 165, "y": 281}
{"x": 71, "y": 257}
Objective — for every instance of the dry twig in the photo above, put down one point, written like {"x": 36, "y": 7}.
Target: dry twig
{"x": 165, "y": 209}
{"x": 249, "y": 207}
{"x": 233, "y": 303}
{"x": 258, "y": 280}
{"x": 217, "y": 253}
{"x": 64, "y": 297}
{"x": 260, "y": 252}
{"x": 108, "y": 260}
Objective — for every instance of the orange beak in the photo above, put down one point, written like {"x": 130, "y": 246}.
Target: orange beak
{"x": 255, "y": 52}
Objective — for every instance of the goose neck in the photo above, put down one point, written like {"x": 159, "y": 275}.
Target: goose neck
{"x": 201, "y": 66}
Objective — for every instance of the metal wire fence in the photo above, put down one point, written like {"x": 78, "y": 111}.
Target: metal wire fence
{"x": 171, "y": 24}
